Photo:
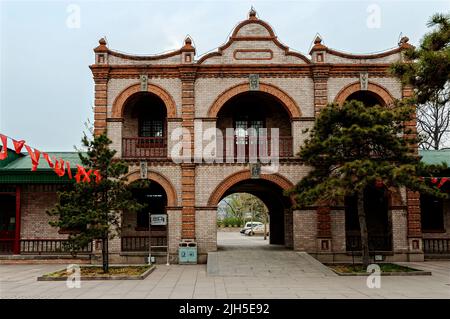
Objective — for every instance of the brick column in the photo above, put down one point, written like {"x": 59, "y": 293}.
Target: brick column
{"x": 188, "y": 169}
{"x": 100, "y": 71}
{"x": 320, "y": 75}
{"x": 413, "y": 198}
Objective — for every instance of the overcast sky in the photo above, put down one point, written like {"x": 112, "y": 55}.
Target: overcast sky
{"x": 47, "y": 88}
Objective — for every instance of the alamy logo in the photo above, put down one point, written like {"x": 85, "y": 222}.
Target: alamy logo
{"x": 73, "y": 276}
{"x": 374, "y": 279}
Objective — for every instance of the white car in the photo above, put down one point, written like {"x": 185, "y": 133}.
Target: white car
{"x": 249, "y": 225}
{"x": 257, "y": 230}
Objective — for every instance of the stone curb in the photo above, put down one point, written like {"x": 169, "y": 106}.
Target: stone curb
{"x": 85, "y": 278}
{"x": 399, "y": 273}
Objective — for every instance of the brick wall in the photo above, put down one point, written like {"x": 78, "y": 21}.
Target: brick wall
{"x": 206, "y": 230}
{"x": 305, "y": 230}
{"x": 35, "y": 201}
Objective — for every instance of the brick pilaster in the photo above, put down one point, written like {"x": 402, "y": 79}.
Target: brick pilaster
{"x": 100, "y": 104}
{"x": 320, "y": 75}
{"x": 323, "y": 222}
{"x": 412, "y": 198}
{"x": 188, "y": 169}
{"x": 320, "y": 78}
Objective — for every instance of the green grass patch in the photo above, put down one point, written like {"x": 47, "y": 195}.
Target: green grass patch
{"x": 358, "y": 268}
{"x": 97, "y": 271}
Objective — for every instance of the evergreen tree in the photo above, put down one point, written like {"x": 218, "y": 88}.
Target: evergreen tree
{"x": 427, "y": 69}
{"x": 91, "y": 210}
{"x": 352, "y": 147}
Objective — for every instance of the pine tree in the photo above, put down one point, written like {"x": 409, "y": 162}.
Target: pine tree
{"x": 427, "y": 69}
{"x": 352, "y": 147}
{"x": 91, "y": 210}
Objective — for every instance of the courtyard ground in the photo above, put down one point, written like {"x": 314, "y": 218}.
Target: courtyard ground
{"x": 246, "y": 267}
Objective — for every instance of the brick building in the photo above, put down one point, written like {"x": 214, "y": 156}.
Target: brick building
{"x": 148, "y": 104}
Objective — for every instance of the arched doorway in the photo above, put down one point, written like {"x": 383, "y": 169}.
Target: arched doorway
{"x": 270, "y": 190}
{"x": 374, "y": 94}
{"x": 136, "y": 232}
{"x": 378, "y": 218}
{"x": 144, "y": 127}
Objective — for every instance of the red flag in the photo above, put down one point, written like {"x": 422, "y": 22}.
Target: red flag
{"x": 78, "y": 174}
{"x": 18, "y": 145}
{"x": 49, "y": 161}
{"x": 4, "y": 151}
{"x": 34, "y": 157}
{"x": 82, "y": 173}
{"x": 98, "y": 177}
{"x": 443, "y": 180}
{"x": 87, "y": 176}
{"x": 434, "y": 180}
{"x": 69, "y": 172}
{"x": 61, "y": 171}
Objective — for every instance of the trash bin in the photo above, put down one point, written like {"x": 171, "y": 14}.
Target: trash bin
{"x": 187, "y": 253}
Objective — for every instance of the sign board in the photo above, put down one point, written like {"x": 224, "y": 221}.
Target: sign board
{"x": 143, "y": 169}
{"x": 159, "y": 219}
{"x": 364, "y": 81}
{"x": 144, "y": 82}
{"x": 255, "y": 170}
{"x": 253, "y": 80}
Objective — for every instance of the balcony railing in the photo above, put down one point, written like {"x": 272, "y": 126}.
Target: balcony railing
{"x": 6, "y": 245}
{"x": 436, "y": 246}
{"x": 376, "y": 243}
{"x": 256, "y": 146}
{"x": 49, "y": 246}
{"x": 144, "y": 147}
{"x": 140, "y": 243}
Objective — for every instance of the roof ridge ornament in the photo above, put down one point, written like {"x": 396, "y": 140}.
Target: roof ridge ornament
{"x": 252, "y": 14}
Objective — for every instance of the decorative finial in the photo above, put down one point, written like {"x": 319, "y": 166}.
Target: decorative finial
{"x": 403, "y": 40}
{"x": 187, "y": 41}
{"x": 102, "y": 41}
{"x": 252, "y": 14}
{"x": 318, "y": 40}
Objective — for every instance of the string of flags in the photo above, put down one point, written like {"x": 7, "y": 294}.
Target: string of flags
{"x": 60, "y": 167}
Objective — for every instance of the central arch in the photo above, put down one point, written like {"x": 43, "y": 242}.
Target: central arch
{"x": 270, "y": 190}
{"x": 288, "y": 102}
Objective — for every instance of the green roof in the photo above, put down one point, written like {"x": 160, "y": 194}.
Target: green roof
{"x": 435, "y": 156}
{"x": 18, "y": 170}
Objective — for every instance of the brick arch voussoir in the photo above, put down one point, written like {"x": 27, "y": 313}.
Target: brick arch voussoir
{"x": 288, "y": 102}
{"x": 161, "y": 180}
{"x": 237, "y": 177}
{"x": 379, "y": 90}
{"x": 121, "y": 99}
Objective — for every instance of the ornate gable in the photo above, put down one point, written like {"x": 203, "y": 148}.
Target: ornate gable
{"x": 253, "y": 41}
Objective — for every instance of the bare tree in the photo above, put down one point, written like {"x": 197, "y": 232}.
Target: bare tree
{"x": 433, "y": 120}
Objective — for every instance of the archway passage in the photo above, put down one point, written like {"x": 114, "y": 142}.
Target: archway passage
{"x": 253, "y": 116}
{"x": 144, "y": 127}
{"x": 135, "y": 225}
{"x": 278, "y": 206}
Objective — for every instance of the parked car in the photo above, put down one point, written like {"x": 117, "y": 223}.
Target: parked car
{"x": 257, "y": 230}
{"x": 249, "y": 225}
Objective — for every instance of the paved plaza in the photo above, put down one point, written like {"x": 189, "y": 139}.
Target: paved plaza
{"x": 245, "y": 267}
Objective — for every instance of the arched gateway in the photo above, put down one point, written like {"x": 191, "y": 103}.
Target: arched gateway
{"x": 252, "y": 84}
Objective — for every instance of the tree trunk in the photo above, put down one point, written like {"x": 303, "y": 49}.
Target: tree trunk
{"x": 105, "y": 254}
{"x": 363, "y": 228}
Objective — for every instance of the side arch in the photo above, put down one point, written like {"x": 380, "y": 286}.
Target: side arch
{"x": 287, "y": 101}
{"x": 121, "y": 99}
{"x": 161, "y": 180}
{"x": 377, "y": 89}
{"x": 237, "y": 177}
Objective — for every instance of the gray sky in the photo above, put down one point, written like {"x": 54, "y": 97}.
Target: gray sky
{"x": 46, "y": 88}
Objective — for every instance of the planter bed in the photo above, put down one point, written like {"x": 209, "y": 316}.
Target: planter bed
{"x": 116, "y": 272}
{"x": 387, "y": 269}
